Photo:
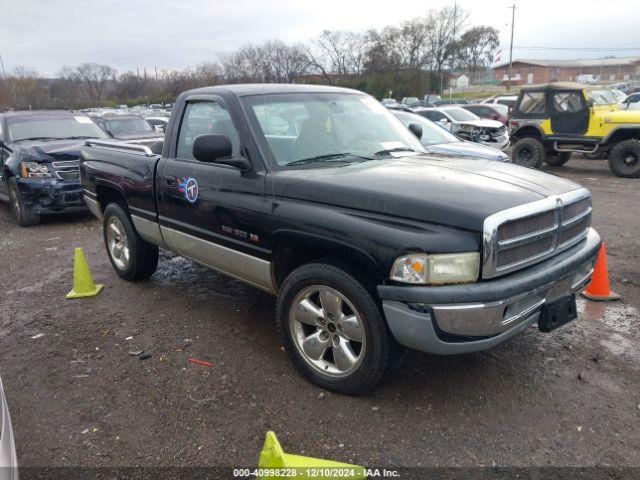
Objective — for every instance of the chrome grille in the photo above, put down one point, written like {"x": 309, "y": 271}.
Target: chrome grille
{"x": 524, "y": 235}
{"x": 513, "y": 255}
{"x": 67, "y": 169}
{"x": 575, "y": 209}
{"x": 525, "y": 226}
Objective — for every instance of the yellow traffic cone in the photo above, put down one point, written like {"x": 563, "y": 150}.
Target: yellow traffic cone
{"x": 273, "y": 458}
{"x": 83, "y": 285}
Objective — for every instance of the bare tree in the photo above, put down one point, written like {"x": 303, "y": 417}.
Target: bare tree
{"x": 338, "y": 53}
{"x": 443, "y": 27}
{"x": 477, "y": 47}
{"x": 91, "y": 76}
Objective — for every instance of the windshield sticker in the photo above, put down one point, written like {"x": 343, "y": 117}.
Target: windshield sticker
{"x": 189, "y": 188}
{"x": 81, "y": 119}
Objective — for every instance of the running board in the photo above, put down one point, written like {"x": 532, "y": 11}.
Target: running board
{"x": 555, "y": 147}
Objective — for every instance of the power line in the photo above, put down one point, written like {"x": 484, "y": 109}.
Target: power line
{"x": 583, "y": 49}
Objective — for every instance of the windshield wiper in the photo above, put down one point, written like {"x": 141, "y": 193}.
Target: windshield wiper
{"x": 319, "y": 158}
{"x": 393, "y": 150}
{"x": 77, "y": 137}
{"x": 37, "y": 138}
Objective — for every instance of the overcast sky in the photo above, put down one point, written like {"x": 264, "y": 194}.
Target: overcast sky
{"x": 127, "y": 34}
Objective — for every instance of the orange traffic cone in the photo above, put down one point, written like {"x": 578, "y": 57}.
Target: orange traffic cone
{"x": 599, "y": 288}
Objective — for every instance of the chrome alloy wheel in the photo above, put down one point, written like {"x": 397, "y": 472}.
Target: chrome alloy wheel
{"x": 117, "y": 243}
{"x": 327, "y": 330}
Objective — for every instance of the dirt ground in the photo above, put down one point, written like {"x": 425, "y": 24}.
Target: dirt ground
{"x": 77, "y": 397}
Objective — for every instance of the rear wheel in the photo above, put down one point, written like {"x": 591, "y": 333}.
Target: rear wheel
{"x": 557, "y": 159}
{"x": 131, "y": 256}
{"x": 624, "y": 159}
{"x": 24, "y": 215}
{"x": 333, "y": 329}
{"x": 528, "y": 152}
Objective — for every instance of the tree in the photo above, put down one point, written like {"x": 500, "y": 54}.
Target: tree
{"x": 443, "y": 27}
{"x": 91, "y": 76}
{"x": 337, "y": 53}
{"x": 477, "y": 48}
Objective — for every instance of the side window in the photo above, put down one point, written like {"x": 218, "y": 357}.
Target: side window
{"x": 532, "y": 102}
{"x": 205, "y": 118}
{"x": 569, "y": 102}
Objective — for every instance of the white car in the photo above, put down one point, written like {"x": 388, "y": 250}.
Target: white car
{"x": 8, "y": 458}
{"x": 508, "y": 100}
{"x": 468, "y": 126}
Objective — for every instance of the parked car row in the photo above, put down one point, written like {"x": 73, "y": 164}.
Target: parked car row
{"x": 40, "y": 152}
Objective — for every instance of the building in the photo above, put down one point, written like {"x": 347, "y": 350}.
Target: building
{"x": 601, "y": 70}
{"x": 459, "y": 81}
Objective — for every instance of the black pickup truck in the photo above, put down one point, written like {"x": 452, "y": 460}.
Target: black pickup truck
{"x": 40, "y": 161}
{"x": 320, "y": 196}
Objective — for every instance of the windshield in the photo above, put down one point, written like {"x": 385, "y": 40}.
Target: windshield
{"x": 328, "y": 127}
{"x": 601, "y": 96}
{"x": 460, "y": 114}
{"x": 501, "y": 109}
{"x": 432, "y": 134}
{"x": 51, "y": 126}
{"x": 128, "y": 125}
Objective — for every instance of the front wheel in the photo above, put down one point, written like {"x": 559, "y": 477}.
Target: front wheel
{"x": 131, "y": 256}
{"x": 24, "y": 215}
{"x": 528, "y": 152}
{"x": 624, "y": 159}
{"x": 333, "y": 329}
{"x": 557, "y": 159}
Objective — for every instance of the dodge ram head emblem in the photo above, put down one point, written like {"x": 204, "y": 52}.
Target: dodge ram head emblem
{"x": 189, "y": 188}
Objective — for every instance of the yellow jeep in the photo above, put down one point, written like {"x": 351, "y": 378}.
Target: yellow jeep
{"x": 549, "y": 122}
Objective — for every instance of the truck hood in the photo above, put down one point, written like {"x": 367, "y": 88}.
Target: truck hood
{"x": 469, "y": 149}
{"x": 620, "y": 116}
{"x": 52, "y": 150}
{"x": 458, "y": 192}
{"x": 483, "y": 123}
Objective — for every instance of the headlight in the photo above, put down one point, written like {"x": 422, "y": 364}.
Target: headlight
{"x": 420, "y": 268}
{"x": 35, "y": 170}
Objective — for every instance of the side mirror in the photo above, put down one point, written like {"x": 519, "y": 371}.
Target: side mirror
{"x": 218, "y": 149}
{"x": 416, "y": 130}
{"x": 589, "y": 103}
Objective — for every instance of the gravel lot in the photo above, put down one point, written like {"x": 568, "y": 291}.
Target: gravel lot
{"x": 77, "y": 397}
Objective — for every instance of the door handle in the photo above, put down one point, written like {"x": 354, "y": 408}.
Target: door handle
{"x": 170, "y": 182}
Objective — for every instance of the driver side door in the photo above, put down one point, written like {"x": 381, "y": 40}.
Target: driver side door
{"x": 209, "y": 212}
{"x": 569, "y": 113}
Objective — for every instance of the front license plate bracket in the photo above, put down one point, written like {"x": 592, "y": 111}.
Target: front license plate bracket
{"x": 558, "y": 313}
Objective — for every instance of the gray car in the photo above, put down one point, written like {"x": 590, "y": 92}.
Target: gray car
{"x": 8, "y": 459}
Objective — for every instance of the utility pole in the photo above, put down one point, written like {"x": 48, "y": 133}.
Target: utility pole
{"x": 513, "y": 17}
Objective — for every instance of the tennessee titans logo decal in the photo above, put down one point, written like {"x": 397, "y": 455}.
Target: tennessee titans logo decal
{"x": 189, "y": 187}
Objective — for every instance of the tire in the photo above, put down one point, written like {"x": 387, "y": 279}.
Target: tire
{"x": 24, "y": 215}
{"x": 131, "y": 257}
{"x": 557, "y": 159}
{"x": 528, "y": 152}
{"x": 624, "y": 159}
{"x": 366, "y": 339}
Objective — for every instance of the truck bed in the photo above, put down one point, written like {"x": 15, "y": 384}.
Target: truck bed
{"x": 112, "y": 167}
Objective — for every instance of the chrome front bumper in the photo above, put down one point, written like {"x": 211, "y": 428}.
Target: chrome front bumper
{"x": 8, "y": 458}
{"x": 465, "y": 318}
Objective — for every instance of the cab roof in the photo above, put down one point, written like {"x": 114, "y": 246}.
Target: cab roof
{"x": 557, "y": 86}
{"x": 246, "y": 89}
{"x": 25, "y": 113}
